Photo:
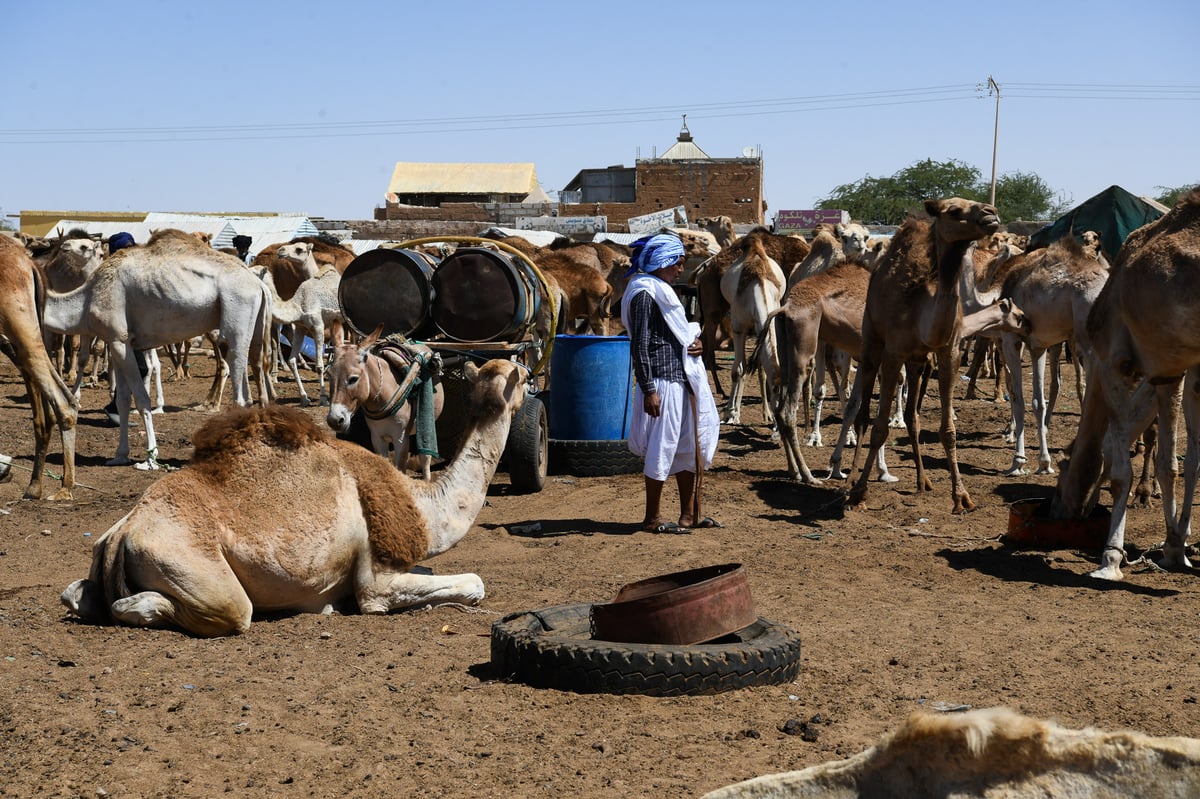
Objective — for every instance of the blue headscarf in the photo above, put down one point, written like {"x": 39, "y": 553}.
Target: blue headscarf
{"x": 119, "y": 241}
{"x": 652, "y": 253}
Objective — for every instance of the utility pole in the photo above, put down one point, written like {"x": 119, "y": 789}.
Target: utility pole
{"x": 995, "y": 136}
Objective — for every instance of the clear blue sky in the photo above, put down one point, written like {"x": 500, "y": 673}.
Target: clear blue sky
{"x": 299, "y": 106}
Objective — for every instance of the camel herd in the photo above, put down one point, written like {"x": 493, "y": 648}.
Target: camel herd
{"x": 880, "y": 318}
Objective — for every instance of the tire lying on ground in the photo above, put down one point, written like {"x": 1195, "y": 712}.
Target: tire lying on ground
{"x": 553, "y": 648}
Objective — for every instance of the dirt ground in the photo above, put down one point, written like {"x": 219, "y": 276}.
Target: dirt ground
{"x": 899, "y": 606}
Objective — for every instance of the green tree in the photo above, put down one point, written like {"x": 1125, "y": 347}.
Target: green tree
{"x": 1169, "y": 196}
{"x": 1024, "y": 195}
{"x": 888, "y": 200}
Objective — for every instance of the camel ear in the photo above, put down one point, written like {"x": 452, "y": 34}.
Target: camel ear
{"x": 932, "y": 207}
{"x": 471, "y": 371}
{"x": 1005, "y": 304}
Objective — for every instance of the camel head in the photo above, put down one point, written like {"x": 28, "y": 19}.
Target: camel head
{"x": 854, "y": 239}
{"x": 82, "y": 255}
{"x": 497, "y": 388}
{"x": 956, "y": 219}
{"x": 349, "y": 381}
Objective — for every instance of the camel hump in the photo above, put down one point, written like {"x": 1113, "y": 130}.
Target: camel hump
{"x": 275, "y": 426}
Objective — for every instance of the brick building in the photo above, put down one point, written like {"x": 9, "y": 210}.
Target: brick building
{"x": 426, "y": 199}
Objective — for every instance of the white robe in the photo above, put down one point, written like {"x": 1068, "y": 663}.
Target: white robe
{"x": 660, "y": 440}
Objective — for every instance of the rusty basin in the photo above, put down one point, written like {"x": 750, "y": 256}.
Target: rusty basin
{"x": 1030, "y": 525}
{"x": 683, "y": 608}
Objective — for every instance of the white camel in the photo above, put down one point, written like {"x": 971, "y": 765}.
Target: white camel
{"x": 170, "y": 289}
{"x": 752, "y": 286}
{"x": 239, "y": 529}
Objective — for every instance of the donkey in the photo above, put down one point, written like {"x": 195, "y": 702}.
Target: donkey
{"x": 384, "y": 380}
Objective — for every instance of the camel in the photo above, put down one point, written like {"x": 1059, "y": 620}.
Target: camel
{"x": 721, "y": 228}
{"x": 274, "y": 514}
{"x": 1055, "y": 287}
{"x": 170, "y": 289}
{"x": 752, "y": 286}
{"x": 1145, "y": 341}
{"x": 786, "y": 251}
{"x": 384, "y": 380}
{"x": 66, "y": 267}
{"x": 913, "y": 310}
{"x": 855, "y": 240}
{"x": 314, "y": 308}
{"x": 995, "y": 753}
{"x": 49, "y": 396}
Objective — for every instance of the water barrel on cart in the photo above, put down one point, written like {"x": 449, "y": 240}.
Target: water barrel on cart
{"x": 391, "y": 287}
{"x": 481, "y": 295}
{"x": 591, "y": 406}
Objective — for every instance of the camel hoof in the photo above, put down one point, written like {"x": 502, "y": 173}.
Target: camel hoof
{"x": 837, "y": 474}
{"x": 1112, "y": 573}
{"x": 120, "y": 460}
{"x": 1175, "y": 558}
{"x": 814, "y": 441}
{"x": 147, "y": 466}
{"x": 888, "y": 477}
{"x": 63, "y": 495}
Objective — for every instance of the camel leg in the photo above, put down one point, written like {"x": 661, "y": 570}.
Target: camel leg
{"x": 1130, "y": 412}
{"x": 979, "y": 351}
{"x": 1167, "y": 399}
{"x": 889, "y": 375}
{"x": 1175, "y": 549}
{"x": 386, "y": 591}
{"x": 795, "y": 361}
{"x": 818, "y": 393}
{"x": 1041, "y": 408}
{"x": 128, "y": 380}
{"x": 1146, "y": 448}
{"x": 1054, "y": 361}
{"x": 912, "y": 423}
{"x": 946, "y": 376}
{"x": 733, "y": 407}
{"x": 154, "y": 374}
{"x": 850, "y": 420}
{"x": 1012, "y": 358}
{"x": 322, "y": 394}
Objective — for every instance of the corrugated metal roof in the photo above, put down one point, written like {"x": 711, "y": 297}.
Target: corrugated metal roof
{"x": 265, "y": 230}
{"x": 139, "y": 230}
{"x": 433, "y": 178}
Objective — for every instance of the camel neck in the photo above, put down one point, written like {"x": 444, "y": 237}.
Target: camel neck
{"x": 454, "y": 499}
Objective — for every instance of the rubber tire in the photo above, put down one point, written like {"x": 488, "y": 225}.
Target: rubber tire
{"x": 553, "y": 648}
{"x": 527, "y": 451}
{"x": 585, "y": 458}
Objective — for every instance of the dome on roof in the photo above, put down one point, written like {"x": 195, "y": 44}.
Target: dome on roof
{"x": 684, "y": 148}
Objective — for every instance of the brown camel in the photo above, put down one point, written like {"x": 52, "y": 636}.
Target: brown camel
{"x": 721, "y": 228}
{"x": 274, "y": 514}
{"x": 22, "y": 342}
{"x": 1055, "y": 287}
{"x": 913, "y": 310}
{"x": 1145, "y": 332}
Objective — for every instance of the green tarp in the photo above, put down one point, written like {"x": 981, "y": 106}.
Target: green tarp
{"x": 1113, "y": 213}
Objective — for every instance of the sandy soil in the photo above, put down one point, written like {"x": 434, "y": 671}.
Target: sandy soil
{"x": 900, "y": 606}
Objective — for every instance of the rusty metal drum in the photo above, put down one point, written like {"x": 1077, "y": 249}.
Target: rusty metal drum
{"x": 392, "y": 287}
{"x": 482, "y": 295}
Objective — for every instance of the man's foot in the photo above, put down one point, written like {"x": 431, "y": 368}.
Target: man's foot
{"x": 663, "y": 527}
{"x": 704, "y": 524}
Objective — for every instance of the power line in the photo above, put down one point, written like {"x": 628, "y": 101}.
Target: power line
{"x": 570, "y": 119}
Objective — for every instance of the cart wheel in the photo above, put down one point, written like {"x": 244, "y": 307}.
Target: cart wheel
{"x": 527, "y": 450}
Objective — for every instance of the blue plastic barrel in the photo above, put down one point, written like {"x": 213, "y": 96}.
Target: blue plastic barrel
{"x": 591, "y": 388}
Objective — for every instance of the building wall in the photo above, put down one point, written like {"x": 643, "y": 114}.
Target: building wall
{"x": 720, "y": 186}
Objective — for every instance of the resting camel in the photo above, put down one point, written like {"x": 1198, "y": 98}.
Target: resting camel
{"x": 274, "y": 514}
{"x": 384, "y": 381}
{"x": 913, "y": 310}
{"x": 1145, "y": 333}
{"x": 994, "y": 753}
{"x": 1055, "y": 287}
{"x": 171, "y": 289}
{"x": 21, "y": 339}
{"x": 752, "y": 286}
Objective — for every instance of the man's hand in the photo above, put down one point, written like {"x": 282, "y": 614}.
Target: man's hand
{"x": 652, "y": 404}
{"x": 696, "y": 348}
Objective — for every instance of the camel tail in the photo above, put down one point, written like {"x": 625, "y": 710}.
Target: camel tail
{"x": 767, "y": 336}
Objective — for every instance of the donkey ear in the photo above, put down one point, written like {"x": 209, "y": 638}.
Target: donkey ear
{"x": 370, "y": 340}
{"x": 471, "y": 371}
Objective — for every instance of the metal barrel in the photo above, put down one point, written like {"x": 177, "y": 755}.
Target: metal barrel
{"x": 392, "y": 287}
{"x": 482, "y": 295}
